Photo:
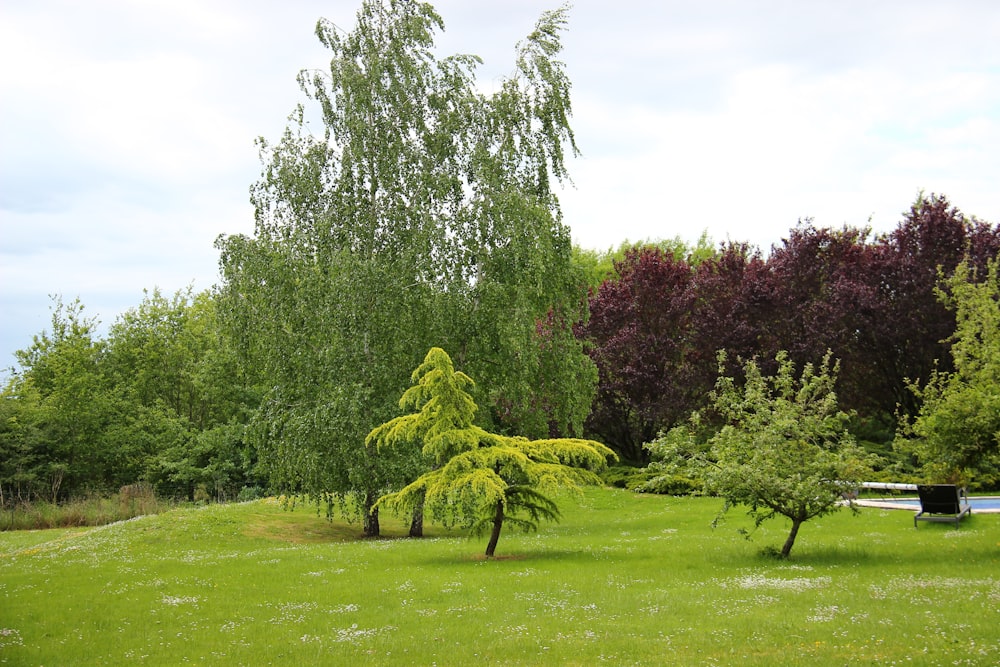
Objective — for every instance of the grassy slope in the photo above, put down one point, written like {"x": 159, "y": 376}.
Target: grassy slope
{"x": 624, "y": 579}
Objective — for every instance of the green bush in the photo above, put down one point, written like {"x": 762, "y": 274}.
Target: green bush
{"x": 250, "y": 493}
{"x": 671, "y": 485}
{"x": 645, "y": 480}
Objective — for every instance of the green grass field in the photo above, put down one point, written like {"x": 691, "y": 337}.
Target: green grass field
{"x": 625, "y": 579}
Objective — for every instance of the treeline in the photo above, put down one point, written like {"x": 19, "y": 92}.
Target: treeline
{"x": 656, "y": 324}
{"x": 164, "y": 399}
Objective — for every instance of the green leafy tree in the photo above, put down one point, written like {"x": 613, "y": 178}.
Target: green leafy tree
{"x": 161, "y": 399}
{"x": 480, "y": 478}
{"x": 956, "y": 434}
{"x": 65, "y": 404}
{"x": 783, "y": 448}
{"x": 20, "y": 467}
{"x": 183, "y": 401}
{"x": 422, "y": 213}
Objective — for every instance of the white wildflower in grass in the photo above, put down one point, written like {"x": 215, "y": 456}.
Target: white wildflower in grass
{"x": 911, "y": 582}
{"x": 458, "y": 611}
{"x": 797, "y": 584}
{"x": 664, "y": 535}
{"x": 10, "y": 637}
{"x": 751, "y": 605}
{"x": 344, "y": 608}
{"x": 174, "y": 601}
{"x": 194, "y": 557}
{"x": 293, "y": 612}
{"x": 512, "y": 630}
{"x": 960, "y": 534}
{"x": 527, "y": 572}
{"x": 824, "y": 614}
{"x": 355, "y": 633}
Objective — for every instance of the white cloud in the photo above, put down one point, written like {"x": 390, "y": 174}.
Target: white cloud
{"x": 785, "y": 141}
{"x": 127, "y": 126}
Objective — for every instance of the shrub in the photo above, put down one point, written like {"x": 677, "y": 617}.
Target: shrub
{"x": 250, "y": 493}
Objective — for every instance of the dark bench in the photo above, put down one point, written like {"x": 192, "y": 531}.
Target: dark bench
{"x": 942, "y": 502}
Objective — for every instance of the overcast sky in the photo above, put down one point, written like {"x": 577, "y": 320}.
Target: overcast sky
{"x": 127, "y": 127}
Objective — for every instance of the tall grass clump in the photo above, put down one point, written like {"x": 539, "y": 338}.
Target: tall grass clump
{"x": 131, "y": 501}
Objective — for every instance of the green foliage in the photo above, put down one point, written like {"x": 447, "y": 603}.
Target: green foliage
{"x": 58, "y": 404}
{"x": 248, "y": 493}
{"x": 647, "y": 480}
{"x": 783, "y": 449}
{"x": 443, "y": 422}
{"x": 480, "y": 479}
{"x": 160, "y": 399}
{"x": 184, "y": 400}
{"x": 956, "y": 434}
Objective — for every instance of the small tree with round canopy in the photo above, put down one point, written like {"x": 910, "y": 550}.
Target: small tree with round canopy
{"x": 783, "y": 447}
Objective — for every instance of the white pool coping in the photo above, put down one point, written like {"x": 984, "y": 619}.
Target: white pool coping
{"x": 888, "y": 504}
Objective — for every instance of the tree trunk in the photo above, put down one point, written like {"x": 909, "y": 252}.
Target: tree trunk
{"x": 497, "y": 525}
{"x": 785, "y": 550}
{"x": 417, "y": 520}
{"x": 371, "y": 516}
{"x": 58, "y": 473}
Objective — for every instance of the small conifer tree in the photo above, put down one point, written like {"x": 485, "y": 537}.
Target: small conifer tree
{"x": 479, "y": 478}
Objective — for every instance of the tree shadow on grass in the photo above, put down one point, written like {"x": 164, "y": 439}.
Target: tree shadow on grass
{"x": 476, "y": 555}
{"x": 307, "y": 527}
{"x": 928, "y": 547}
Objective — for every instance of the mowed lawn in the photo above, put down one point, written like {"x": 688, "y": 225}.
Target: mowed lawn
{"x": 624, "y": 579}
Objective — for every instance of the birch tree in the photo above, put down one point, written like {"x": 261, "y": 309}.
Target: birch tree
{"x": 423, "y": 213}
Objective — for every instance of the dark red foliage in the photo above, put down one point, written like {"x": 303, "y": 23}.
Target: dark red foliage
{"x": 640, "y": 326}
{"x": 909, "y": 326}
{"x": 825, "y": 298}
{"x": 733, "y": 310}
{"x": 655, "y": 330}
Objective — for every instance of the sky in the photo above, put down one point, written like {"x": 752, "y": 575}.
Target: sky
{"x": 128, "y": 127}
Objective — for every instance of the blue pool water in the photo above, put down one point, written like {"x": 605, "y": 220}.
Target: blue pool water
{"x": 984, "y": 503}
